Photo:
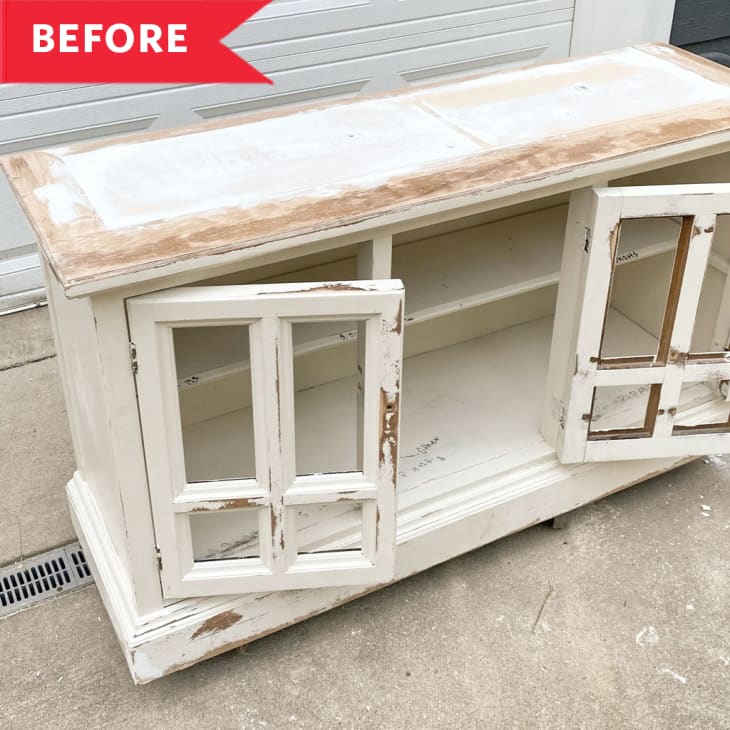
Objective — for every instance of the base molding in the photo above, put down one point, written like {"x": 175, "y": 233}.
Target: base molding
{"x": 189, "y": 631}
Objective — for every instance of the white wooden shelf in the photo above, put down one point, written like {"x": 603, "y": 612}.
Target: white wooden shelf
{"x": 490, "y": 377}
{"x": 507, "y": 257}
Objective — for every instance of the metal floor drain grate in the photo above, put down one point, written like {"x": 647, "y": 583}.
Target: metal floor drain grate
{"x": 41, "y": 577}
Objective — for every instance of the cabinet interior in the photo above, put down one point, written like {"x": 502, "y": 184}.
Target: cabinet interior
{"x": 480, "y": 301}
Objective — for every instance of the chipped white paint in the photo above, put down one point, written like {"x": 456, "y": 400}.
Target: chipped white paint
{"x": 322, "y": 153}
{"x": 314, "y": 154}
{"x": 517, "y": 108}
{"x": 277, "y": 490}
{"x": 648, "y": 636}
{"x": 579, "y": 366}
{"x": 64, "y": 204}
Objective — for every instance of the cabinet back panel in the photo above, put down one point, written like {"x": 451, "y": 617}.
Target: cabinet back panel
{"x": 640, "y": 292}
{"x": 231, "y": 391}
{"x": 715, "y": 168}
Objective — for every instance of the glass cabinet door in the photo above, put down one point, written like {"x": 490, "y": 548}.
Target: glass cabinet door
{"x": 639, "y": 363}
{"x": 270, "y": 423}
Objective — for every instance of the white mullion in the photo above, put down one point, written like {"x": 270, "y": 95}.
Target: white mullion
{"x": 368, "y": 426}
{"x": 693, "y": 277}
{"x": 286, "y": 548}
{"x": 628, "y": 376}
{"x": 329, "y": 497}
{"x": 360, "y": 430}
{"x": 264, "y": 382}
{"x": 374, "y": 261}
{"x": 320, "y": 488}
{"x": 371, "y": 398}
{"x": 668, "y": 402}
{"x": 216, "y": 490}
{"x": 709, "y": 371}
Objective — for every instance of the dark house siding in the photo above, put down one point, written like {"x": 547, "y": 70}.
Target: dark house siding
{"x": 702, "y": 26}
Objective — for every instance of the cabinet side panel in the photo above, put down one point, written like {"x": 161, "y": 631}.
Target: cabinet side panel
{"x": 75, "y": 336}
{"x": 120, "y": 398}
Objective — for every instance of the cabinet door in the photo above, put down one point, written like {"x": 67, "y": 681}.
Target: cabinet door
{"x": 271, "y": 493}
{"x": 639, "y": 364}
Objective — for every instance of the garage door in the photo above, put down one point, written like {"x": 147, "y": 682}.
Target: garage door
{"x": 311, "y": 49}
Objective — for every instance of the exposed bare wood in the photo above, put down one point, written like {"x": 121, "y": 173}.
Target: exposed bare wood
{"x": 650, "y": 429}
{"x": 449, "y": 183}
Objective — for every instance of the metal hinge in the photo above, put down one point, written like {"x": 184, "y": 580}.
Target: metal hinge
{"x": 589, "y": 236}
{"x": 159, "y": 558}
{"x": 133, "y": 358}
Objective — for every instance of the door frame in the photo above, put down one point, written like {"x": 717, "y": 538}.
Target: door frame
{"x": 276, "y": 491}
{"x": 577, "y": 365}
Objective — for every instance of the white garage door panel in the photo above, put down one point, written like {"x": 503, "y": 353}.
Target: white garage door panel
{"x": 416, "y": 64}
{"x": 54, "y": 127}
{"x": 20, "y": 279}
{"x": 407, "y": 34}
{"x": 343, "y": 68}
{"x": 318, "y": 27}
{"x": 310, "y": 49}
{"x": 254, "y": 45}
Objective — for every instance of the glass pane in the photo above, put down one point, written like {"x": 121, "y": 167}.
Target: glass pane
{"x": 225, "y": 534}
{"x": 619, "y": 407}
{"x": 214, "y": 390}
{"x": 326, "y": 385}
{"x": 704, "y": 337}
{"x": 640, "y": 286}
{"x": 698, "y": 394}
{"x": 335, "y": 526}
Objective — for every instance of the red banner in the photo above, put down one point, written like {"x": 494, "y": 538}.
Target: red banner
{"x": 123, "y": 41}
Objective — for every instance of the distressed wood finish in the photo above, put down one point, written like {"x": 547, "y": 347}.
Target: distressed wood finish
{"x": 445, "y": 147}
{"x": 587, "y": 276}
{"x": 275, "y": 492}
{"x": 475, "y": 231}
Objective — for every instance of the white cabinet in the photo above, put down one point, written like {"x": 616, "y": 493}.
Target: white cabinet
{"x": 254, "y": 498}
{"x": 309, "y": 354}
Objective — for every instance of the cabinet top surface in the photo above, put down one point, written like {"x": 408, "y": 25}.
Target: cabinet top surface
{"x": 113, "y": 212}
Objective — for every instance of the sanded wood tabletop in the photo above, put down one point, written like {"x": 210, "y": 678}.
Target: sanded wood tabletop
{"x": 156, "y": 203}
